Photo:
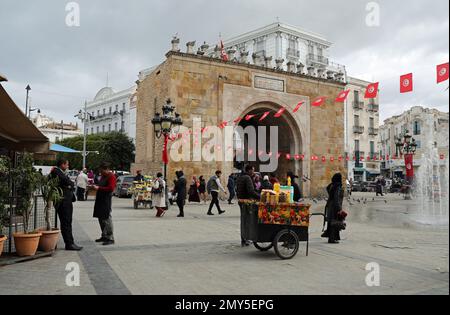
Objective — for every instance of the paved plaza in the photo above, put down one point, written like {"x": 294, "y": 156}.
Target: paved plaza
{"x": 201, "y": 255}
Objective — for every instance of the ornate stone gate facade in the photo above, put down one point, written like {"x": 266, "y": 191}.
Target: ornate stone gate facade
{"x": 216, "y": 91}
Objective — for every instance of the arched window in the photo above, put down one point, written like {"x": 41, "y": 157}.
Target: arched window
{"x": 417, "y": 128}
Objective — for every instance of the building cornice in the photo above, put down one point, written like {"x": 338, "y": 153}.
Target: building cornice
{"x": 279, "y": 27}
{"x": 253, "y": 67}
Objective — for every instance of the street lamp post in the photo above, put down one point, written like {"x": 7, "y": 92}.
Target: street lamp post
{"x": 166, "y": 124}
{"x": 28, "y": 88}
{"x": 85, "y": 117}
{"x": 407, "y": 146}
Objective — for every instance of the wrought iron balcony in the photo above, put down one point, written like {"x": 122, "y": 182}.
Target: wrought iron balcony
{"x": 293, "y": 53}
{"x": 312, "y": 58}
{"x": 373, "y": 107}
{"x": 358, "y": 129}
{"x": 358, "y": 105}
{"x": 373, "y": 131}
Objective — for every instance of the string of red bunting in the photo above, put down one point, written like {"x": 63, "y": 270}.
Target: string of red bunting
{"x": 372, "y": 90}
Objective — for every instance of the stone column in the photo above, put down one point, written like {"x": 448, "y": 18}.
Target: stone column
{"x": 300, "y": 68}
{"x": 268, "y": 62}
{"x": 291, "y": 66}
{"x": 244, "y": 56}
{"x": 204, "y": 47}
{"x": 175, "y": 44}
{"x": 254, "y": 58}
{"x": 231, "y": 54}
{"x": 190, "y": 47}
{"x": 320, "y": 72}
{"x": 279, "y": 62}
{"x": 217, "y": 52}
{"x": 330, "y": 75}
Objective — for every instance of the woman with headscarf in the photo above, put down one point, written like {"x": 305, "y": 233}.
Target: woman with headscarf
{"x": 193, "y": 191}
{"x": 333, "y": 210}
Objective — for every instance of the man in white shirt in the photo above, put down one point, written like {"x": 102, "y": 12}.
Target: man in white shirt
{"x": 214, "y": 187}
{"x": 82, "y": 183}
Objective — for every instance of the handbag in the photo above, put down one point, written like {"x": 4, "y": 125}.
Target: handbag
{"x": 339, "y": 225}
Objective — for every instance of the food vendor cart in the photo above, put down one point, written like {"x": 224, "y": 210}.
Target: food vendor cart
{"x": 281, "y": 226}
{"x": 142, "y": 194}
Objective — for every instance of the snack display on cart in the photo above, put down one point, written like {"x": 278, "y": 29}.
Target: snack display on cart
{"x": 276, "y": 221}
{"x": 142, "y": 193}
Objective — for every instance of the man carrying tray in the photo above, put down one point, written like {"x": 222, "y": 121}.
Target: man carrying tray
{"x": 246, "y": 191}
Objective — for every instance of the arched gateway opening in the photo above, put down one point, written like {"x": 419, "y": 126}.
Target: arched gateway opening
{"x": 288, "y": 140}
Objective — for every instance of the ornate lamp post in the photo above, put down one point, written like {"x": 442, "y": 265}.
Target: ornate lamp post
{"x": 85, "y": 118}
{"x": 407, "y": 147}
{"x": 167, "y": 124}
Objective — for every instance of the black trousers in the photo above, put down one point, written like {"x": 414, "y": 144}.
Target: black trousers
{"x": 81, "y": 194}
{"x": 180, "y": 204}
{"x": 214, "y": 201}
{"x": 65, "y": 214}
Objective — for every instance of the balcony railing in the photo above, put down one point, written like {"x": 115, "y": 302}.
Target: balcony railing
{"x": 260, "y": 54}
{"x": 358, "y": 129}
{"x": 358, "y": 105}
{"x": 318, "y": 59}
{"x": 373, "y": 108}
{"x": 373, "y": 131}
{"x": 293, "y": 53}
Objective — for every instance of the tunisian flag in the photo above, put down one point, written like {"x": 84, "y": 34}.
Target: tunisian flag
{"x": 165, "y": 154}
{"x": 372, "y": 90}
{"x": 409, "y": 165}
{"x": 319, "y": 101}
{"x": 280, "y": 112}
{"x": 223, "y": 54}
{"x": 442, "y": 72}
{"x": 297, "y": 108}
{"x": 406, "y": 83}
{"x": 264, "y": 116}
{"x": 342, "y": 97}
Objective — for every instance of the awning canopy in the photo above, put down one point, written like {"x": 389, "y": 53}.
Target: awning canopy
{"x": 17, "y": 132}
{"x": 62, "y": 149}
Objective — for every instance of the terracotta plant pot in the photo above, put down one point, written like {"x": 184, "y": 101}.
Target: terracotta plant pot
{"x": 26, "y": 244}
{"x": 2, "y": 241}
{"x": 48, "y": 240}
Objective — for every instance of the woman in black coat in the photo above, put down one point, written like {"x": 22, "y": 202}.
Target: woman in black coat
{"x": 332, "y": 209}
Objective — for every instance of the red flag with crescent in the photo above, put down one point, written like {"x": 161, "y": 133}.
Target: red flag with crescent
{"x": 372, "y": 90}
{"x": 406, "y": 83}
{"x": 342, "y": 96}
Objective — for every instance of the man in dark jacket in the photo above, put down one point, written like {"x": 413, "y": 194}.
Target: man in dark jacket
{"x": 297, "y": 193}
{"x": 103, "y": 204}
{"x": 246, "y": 191}
{"x": 64, "y": 208}
{"x": 333, "y": 208}
{"x": 180, "y": 190}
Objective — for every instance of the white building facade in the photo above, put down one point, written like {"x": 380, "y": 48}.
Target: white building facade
{"x": 430, "y": 129}
{"x": 112, "y": 111}
{"x": 285, "y": 46}
{"x": 361, "y": 131}
{"x": 56, "y": 131}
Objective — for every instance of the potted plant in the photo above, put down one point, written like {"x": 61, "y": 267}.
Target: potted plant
{"x": 52, "y": 194}
{"x": 4, "y": 197}
{"x": 26, "y": 183}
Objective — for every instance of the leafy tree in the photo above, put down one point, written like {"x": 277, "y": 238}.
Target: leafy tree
{"x": 115, "y": 148}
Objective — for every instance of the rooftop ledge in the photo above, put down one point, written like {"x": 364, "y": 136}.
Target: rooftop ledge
{"x": 255, "y": 67}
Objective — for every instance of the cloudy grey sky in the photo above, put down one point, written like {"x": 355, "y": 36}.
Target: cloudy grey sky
{"x": 65, "y": 66}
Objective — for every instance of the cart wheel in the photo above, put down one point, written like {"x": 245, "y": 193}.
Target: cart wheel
{"x": 286, "y": 244}
{"x": 264, "y": 247}
{"x": 136, "y": 205}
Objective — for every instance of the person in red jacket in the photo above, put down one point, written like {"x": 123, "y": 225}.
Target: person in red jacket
{"x": 103, "y": 204}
